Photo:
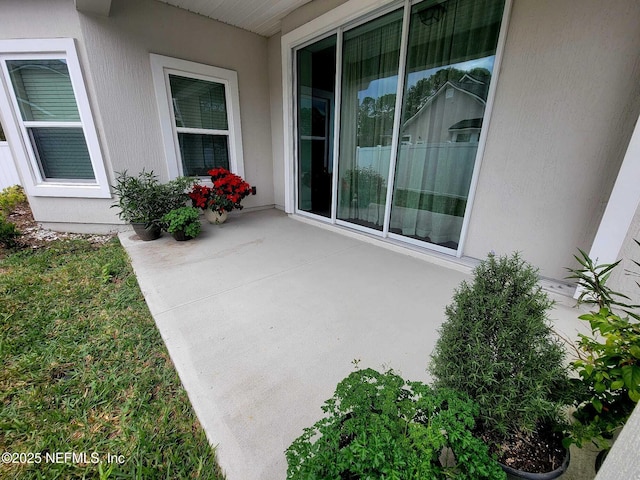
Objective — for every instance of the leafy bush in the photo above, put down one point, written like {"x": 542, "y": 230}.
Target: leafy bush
{"x": 10, "y": 197}
{"x": 183, "y": 219}
{"x": 9, "y": 233}
{"x": 497, "y": 347}
{"x": 379, "y": 426}
{"x": 608, "y": 362}
{"x": 143, "y": 199}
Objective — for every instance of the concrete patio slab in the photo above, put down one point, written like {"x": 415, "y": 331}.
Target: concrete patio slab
{"x": 264, "y": 314}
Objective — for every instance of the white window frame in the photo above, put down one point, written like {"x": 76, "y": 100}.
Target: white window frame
{"x": 161, "y": 68}
{"x": 16, "y": 129}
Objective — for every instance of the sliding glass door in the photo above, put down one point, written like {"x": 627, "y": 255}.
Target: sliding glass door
{"x": 407, "y": 177}
{"x": 370, "y": 60}
{"x": 316, "y": 72}
{"x": 450, "y": 56}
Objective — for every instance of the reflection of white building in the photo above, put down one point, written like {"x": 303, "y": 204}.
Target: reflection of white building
{"x": 452, "y": 114}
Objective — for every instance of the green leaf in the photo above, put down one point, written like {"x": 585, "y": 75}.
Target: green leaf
{"x": 617, "y": 384}
{"x": 634, "y": 395}
{"x": 635, "y": 351}
{"x": 631, "y": 376}
{"x": 599, "y": 387}
{"x": 597, "y": 404}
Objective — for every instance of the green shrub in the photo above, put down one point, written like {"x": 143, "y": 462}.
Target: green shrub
{"x": 379, "y": 426}
{"x": 608, "y": 362}
{"x": 9, "y": 233}
{"x": 11, "y": 197}
{"x": 497, "y": 347}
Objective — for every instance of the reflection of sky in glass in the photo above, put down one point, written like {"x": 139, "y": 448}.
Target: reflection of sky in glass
{"x": 382, "y": 86}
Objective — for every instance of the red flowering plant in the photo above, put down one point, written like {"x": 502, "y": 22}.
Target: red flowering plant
{"x": 227, "y": 192}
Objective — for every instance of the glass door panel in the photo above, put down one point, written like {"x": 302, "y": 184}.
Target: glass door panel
{"x": 316, "y": 72}
{"x": 370, "y": 61}
{"x": 450, "y": 59}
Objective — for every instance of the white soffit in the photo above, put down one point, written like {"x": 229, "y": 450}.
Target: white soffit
{"x": 261, "y": 17}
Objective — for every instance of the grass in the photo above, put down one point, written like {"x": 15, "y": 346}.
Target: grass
{"x": 85, "y": 371}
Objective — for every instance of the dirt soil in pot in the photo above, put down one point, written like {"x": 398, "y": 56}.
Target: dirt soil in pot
{"x": 539, "y": 452}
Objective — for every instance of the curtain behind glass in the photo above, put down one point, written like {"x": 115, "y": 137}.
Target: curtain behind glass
{"x": 449, "y": 66}
{"x": 370, "y": 62}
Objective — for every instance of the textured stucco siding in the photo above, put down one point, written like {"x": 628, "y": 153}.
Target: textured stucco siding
{"x": 114, "y": 54}
{"x": 567, "y": 98}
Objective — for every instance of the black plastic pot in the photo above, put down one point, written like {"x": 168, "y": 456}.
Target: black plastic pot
{"x": 180, "y": 236}
{"x": 513, "y": 474}
{"x": 151, "y": 232}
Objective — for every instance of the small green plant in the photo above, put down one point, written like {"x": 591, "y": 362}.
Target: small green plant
{"x": 144, "y": 199}
{"x": 608, "y": 360}
{"x": 377, "y": 425}
{"x": 11, "y": 197}
{"x": 9, "y": 234}
{"x": 185, "y": 220}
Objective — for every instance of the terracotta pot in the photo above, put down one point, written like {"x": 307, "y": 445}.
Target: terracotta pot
{"x": 151, "y": 232}
{"x": 213, "y": 216}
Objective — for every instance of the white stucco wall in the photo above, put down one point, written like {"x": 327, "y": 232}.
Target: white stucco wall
{"x": 567, "y": 99}
{"x": 114, "y": 54}
{"x": 275, "y": 96}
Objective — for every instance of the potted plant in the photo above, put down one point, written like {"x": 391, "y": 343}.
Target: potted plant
{"x": 143, "y": 200}
{"x": 496, "y": 346}
{"x": 225, "y": 194}
{"x": 183, "y": 223}
{"x": 608, "y": 360}
{"x": 377, "y": 425}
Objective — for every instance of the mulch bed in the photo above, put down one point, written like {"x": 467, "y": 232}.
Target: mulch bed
{"x": 34, "y": 236}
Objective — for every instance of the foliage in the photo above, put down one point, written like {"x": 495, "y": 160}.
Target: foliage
{"x": 10, "y": 198}
{"x": 365, "y": 184}
{"x": 496, "y": 346}
{"x": 144, "y": 199}
{"x": 225, "y": 194}
{"x": 608, "y": 362}
{"x": 379, "y": 426}
{"x": 183, "y": 219}
{"x": 84, "y": 369}
{"x": 9, "y": 233}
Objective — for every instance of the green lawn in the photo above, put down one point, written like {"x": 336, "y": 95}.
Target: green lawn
{"x": 85, "y": 372}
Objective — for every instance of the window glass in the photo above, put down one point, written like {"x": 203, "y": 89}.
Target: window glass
{"x": 370, "y": 62}
{"x": 62, "y": 152}
{"x": 198, "y": 103}
{"x": 201, "y": 153}
{"x": 450, "y": 57}
{"x": 45, "y": 95}
{"x": 43, "y": 90}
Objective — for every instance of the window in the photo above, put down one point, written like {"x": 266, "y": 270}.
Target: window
{"x": 199, "y": 114}
{"x": 45, "y": 95}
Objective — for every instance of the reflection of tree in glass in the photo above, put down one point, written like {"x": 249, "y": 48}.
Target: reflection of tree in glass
{"x": 418, "y": 94}
{"x": 375, "y": 120}
{"x": 312, "y": 121}
{"x": 375, "y": 115}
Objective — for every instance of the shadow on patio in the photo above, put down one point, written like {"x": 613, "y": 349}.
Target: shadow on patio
{"x": 263, "y": 316}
